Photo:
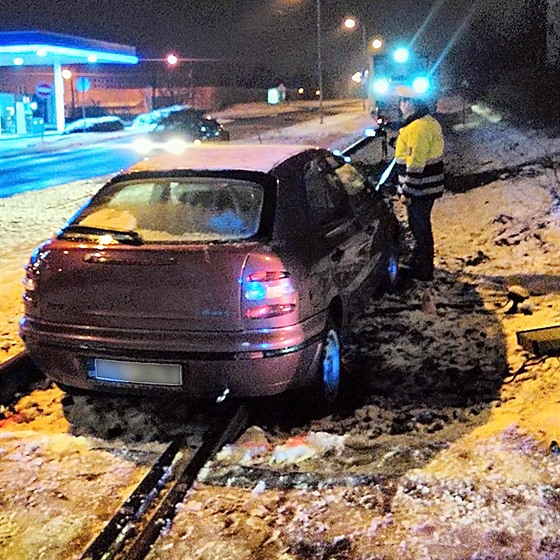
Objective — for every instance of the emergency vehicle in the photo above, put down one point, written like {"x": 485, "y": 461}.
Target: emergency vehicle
{"x": 391, "y": 73}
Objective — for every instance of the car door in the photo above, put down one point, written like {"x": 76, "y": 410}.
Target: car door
{"x": 337, "y": 234}
{"x": 368, "y": 209}
{"x": 367, "y": 244}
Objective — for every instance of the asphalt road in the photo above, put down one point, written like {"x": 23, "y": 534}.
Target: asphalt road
{"x": 39, "y": 170}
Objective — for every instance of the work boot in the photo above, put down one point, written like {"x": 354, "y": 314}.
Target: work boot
{"x": 416, "y": 273}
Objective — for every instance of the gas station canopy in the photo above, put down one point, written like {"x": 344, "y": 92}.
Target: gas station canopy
{"x": 40, "y": 48}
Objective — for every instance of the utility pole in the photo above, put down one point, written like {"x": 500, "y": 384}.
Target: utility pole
{"x": 320, "y": 61}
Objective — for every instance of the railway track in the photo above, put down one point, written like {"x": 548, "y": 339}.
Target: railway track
{"x": 17, "y": 375}
{"x": 136, "y": 526}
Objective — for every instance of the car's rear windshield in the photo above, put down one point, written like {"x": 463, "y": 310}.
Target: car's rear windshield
{"x": 185, "y": 209}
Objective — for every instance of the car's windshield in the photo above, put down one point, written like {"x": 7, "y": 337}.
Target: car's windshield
{"x": 187, "y": 209}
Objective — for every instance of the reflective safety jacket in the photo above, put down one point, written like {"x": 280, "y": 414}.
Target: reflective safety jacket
{"x": 419, "y": 155}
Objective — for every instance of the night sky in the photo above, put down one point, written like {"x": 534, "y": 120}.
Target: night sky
{"x": 275, "y": 37}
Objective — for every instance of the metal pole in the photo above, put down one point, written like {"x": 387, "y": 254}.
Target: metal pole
{"x": 73, "y": 100}
{"x": 365, "y": 47}
{"x": 84, "y": 110}
{"x": 320, "y": 61}
{"x": 59, "y": 97}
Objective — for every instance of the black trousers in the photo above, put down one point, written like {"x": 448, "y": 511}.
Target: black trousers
{"x": 419, "y": 209}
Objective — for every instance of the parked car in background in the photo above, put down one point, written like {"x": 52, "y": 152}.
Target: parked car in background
{"x": 179, "y": 129}
{"x": 148, "y": 121}
{"x": 225, "y": 270}
{"x": 108, "y": 123}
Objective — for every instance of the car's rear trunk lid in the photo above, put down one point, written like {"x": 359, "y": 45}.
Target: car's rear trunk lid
{"x": 190, "y": 287}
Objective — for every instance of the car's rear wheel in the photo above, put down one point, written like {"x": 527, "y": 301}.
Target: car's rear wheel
{"x": 328, "y": 384}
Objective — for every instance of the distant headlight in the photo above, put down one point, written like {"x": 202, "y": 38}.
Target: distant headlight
{"x": 176, "y": 146}
{"x": 421, "y": 84}
{"x": 143, "y": 145}
{"x": 381, "y": 85}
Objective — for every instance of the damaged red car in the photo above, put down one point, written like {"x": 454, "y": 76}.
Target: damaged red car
{"x": 224, "y": 270}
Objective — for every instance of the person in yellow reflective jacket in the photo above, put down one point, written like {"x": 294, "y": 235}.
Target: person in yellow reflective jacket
{"x": 419, "y": 159}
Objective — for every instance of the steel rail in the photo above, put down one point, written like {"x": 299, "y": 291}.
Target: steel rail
{"x": 358, "y": 145}
{"x": 138, "y": 523}
{"x": 16, "y": 375}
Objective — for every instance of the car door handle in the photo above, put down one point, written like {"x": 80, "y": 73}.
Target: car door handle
{"x": 337, "y": 255}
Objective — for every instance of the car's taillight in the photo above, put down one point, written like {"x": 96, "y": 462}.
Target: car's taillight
{"x": 267, "y": 285}
{"x": 268, "y": 311}
{"x": 267, "y": 292}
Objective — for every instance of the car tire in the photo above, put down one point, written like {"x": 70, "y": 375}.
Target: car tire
{"x": 328, "y": 385}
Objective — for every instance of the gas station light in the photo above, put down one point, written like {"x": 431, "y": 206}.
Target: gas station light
{"x": 401, "y": 54}
{"x": 18, "y": 61}
{"x": 66, "y": 74}
{"x": 92, "y": 58}
{"x": 42, "y": 51}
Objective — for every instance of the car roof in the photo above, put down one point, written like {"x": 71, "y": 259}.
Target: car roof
{"x": 223, "y": 156}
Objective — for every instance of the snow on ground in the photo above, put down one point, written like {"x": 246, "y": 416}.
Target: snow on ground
{"x": 447, "y": 449}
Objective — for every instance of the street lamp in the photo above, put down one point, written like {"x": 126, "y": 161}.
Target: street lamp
{"x": 172, "y": 59}
{"x": 320, "y": 61}
{"x": 350, "y": 23}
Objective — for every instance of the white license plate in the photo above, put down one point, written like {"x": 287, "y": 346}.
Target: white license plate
{"x": 138, "y": 372}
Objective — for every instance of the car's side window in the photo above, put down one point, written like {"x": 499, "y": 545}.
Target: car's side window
{"x": 326, "y": 198}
